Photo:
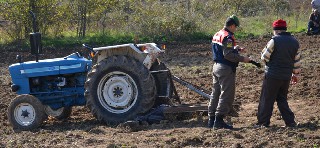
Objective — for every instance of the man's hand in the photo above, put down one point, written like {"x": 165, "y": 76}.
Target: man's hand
{"x": 242, "y": 50}
{"x": 294, "y": 79}
{"x": 246, "y": 59}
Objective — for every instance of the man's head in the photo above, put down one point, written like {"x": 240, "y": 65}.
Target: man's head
{"x": 279, "y": 26}
{"x": 315, "y": 11}
{"x": 232, "y": 23}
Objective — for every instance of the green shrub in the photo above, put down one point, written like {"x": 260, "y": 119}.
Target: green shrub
{"x": 115, "y": 22}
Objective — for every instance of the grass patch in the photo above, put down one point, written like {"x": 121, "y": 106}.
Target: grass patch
{"x": 254, "y": 26}
{"x": 92, "y": 39}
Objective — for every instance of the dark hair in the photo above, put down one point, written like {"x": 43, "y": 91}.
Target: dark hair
{"x": 230, "y": 22}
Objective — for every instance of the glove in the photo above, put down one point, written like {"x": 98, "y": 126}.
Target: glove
{"x": 255, "y": 63}
{"x": 294, "y": 79}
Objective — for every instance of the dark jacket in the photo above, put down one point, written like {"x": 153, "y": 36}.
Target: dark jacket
{"x": 315, "y": 18}
{"x": 282, "y": 59}
{"x": 223, "y": 51}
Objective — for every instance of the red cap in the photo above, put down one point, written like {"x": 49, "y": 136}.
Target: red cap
{"x": 279, "y": 25}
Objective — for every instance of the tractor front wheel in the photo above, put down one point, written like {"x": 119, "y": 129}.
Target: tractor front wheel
{"x": 26, "y": 112}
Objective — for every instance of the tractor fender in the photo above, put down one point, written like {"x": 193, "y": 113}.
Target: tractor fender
{"x": 145, "y": 53}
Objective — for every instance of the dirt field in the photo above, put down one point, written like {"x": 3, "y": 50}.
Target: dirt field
{"x": 193, "y": 63}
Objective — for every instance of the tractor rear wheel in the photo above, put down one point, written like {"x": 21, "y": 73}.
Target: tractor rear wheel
{"x": 26, "y": 112}
{"x": 118, "y": 89}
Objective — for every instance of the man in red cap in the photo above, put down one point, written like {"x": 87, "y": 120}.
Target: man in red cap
{"x": 282, "y": 64}
{"x": 226, "y": 57}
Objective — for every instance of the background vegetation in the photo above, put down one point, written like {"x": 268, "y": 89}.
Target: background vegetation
{"x": 105, "y": 22}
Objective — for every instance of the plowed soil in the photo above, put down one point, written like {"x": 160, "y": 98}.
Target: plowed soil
{"x": 193, "y": 63}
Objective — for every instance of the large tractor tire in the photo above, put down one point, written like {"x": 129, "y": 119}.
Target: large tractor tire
{"x": 163, "y": 83}
{"x": 26, "y": 112}
{"x": 118, "y": 89}
{"x": 60, "y": 114}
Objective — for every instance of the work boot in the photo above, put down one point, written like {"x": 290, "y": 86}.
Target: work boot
{"x": 219, "y": 123}
{"x": 292, "y": 125}
{"x": 211, "y": 121}
{"x": 259, "y": 125}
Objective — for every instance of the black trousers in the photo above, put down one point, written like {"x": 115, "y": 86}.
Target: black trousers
{"x": 274, "y": 90}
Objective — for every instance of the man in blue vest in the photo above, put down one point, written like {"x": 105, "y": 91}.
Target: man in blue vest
{"x": 282, "y": 59}
{"x": 226, "y": 57}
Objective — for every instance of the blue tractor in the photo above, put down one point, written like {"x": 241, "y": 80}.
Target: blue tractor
{"x": 47, "y": 87}
{"x": 124, "y": 82}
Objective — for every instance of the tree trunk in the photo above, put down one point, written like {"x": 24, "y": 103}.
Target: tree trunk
{"x": 82, "y": 21}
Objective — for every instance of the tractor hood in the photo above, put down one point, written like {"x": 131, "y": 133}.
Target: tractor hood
{"x": 73, "y": 63}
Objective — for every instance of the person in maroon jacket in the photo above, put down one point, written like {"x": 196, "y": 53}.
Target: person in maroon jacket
{"x": 282, "y": 59}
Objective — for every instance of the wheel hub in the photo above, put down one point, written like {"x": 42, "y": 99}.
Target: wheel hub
{"x": 24, "y": 114}
{"x": 117, "y": 92}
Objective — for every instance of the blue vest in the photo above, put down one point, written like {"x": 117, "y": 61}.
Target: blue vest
{"x": 218, "y": 41}
{"x": 282, "y": 59}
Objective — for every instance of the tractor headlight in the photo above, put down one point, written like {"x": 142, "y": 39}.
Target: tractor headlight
{"x": 14, "y": 87}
